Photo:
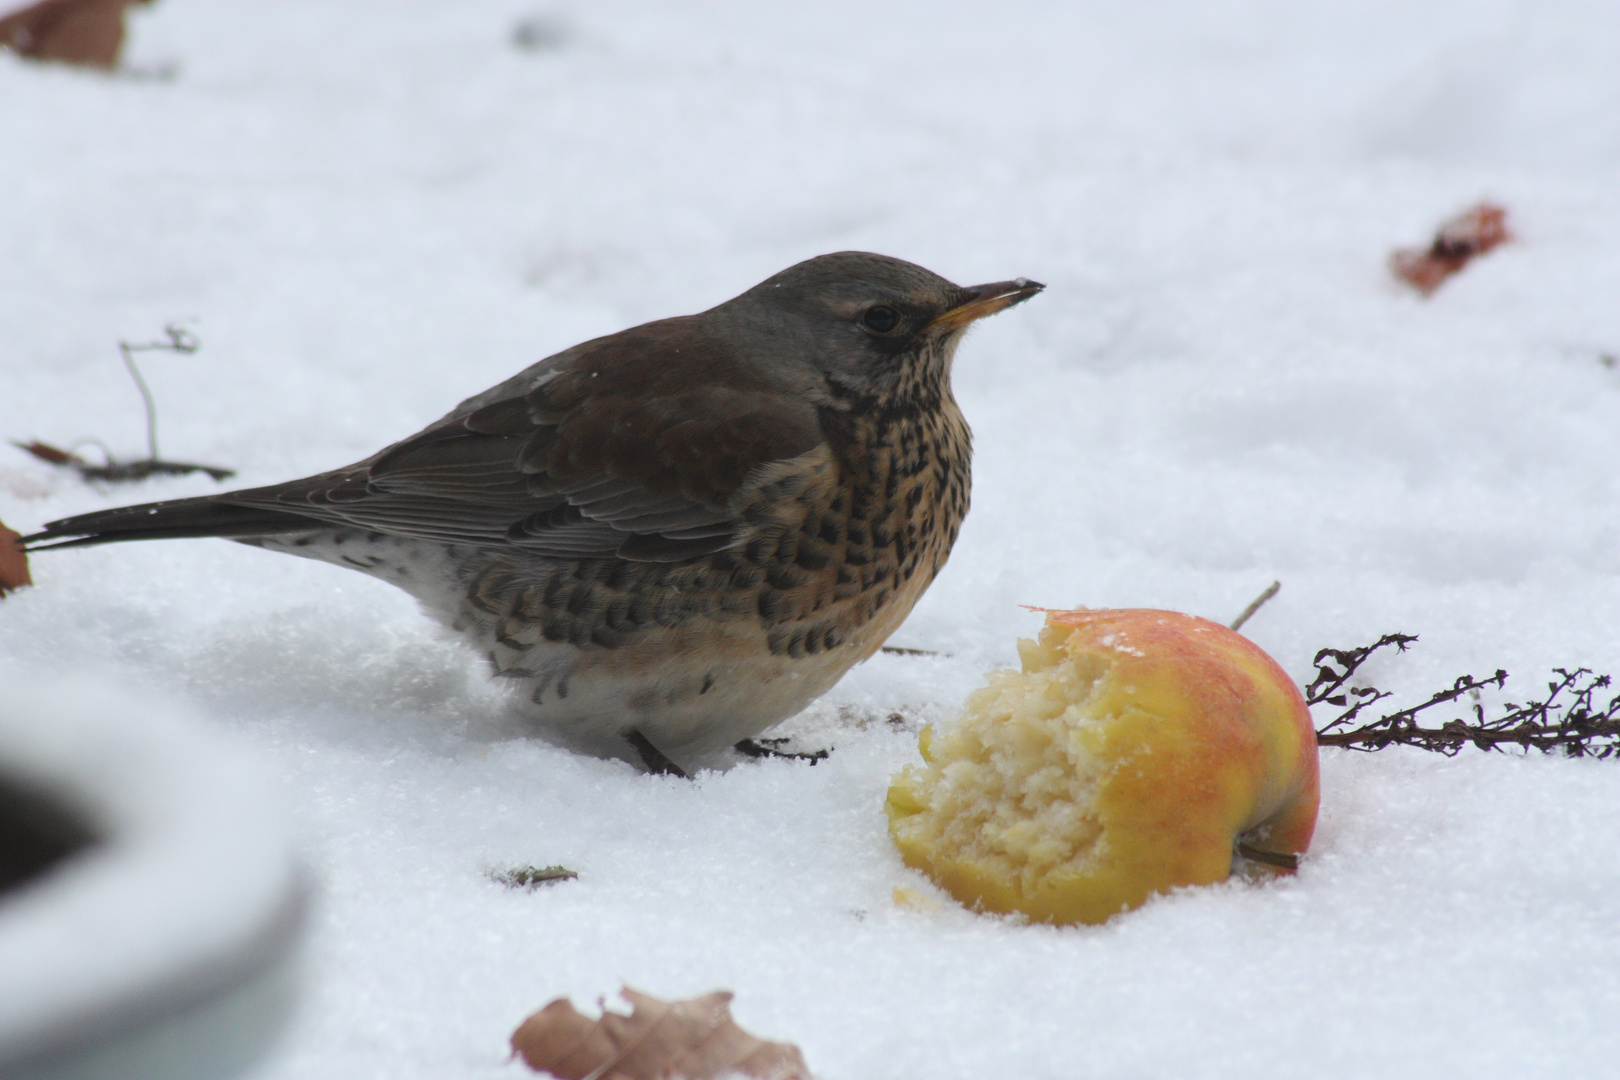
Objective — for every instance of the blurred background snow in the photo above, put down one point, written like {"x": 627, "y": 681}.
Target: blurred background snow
{"x": 372, "y": 210}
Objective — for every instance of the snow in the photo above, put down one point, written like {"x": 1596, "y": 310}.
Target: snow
{"x": 373, "y": 210}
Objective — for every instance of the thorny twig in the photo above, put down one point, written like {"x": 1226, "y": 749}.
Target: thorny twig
{"x": 1572, "y": 718}
{"x": 1328, "y": 682}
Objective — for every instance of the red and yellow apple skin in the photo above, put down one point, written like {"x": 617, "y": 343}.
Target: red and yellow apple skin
{"x": 1131, "y": 755}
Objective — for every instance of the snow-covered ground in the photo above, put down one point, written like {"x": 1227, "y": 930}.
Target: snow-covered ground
{"x": 372, "y": 210}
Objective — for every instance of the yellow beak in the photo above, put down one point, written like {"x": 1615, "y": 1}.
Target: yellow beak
{"x": 982, "y": 300}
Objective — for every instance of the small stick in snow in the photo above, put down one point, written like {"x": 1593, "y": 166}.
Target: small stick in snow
{"x": 772, "y": 748}
{"x": 532, "y": 877}
{"x": 896, "y": 650}
{"x": 1259, "y": 602}
{"x": 118, "y": 472}
{"x": 180, "y": 340}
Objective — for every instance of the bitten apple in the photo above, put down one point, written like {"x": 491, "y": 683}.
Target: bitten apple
{"x": 1135, "y": 752}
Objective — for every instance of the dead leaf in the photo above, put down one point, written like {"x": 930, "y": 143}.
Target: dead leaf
{"x": 53, "y": 454}
{"x": 694, "y": 1039}
{"x": 1459, "y": 241}
{"x": 13, "y": 561}
{"x": 88, "y": 33}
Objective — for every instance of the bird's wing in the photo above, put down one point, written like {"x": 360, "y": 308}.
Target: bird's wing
{"x": 625, "y": 449}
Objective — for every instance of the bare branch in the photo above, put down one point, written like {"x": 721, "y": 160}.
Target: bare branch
{"x": 1573, "y": 718}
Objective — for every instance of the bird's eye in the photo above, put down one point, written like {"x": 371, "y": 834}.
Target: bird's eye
{"x": 880, "y": 319}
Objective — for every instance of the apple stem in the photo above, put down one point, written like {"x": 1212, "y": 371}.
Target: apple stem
{"x": 1281, "y": 859}
{"x": 1259, "y": 602}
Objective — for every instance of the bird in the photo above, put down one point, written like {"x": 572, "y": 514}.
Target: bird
{"x": 673, "y": 537}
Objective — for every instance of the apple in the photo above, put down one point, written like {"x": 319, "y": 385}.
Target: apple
{"x": 1137, "y": 751}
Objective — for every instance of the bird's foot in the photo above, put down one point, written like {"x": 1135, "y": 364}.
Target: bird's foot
{"x": 764, "y": 748}
{"x": 656, "y": 761}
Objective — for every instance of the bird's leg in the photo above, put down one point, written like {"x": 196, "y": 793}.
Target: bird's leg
{"x": 763, "y": 748}
{"x": 657, "y": 762}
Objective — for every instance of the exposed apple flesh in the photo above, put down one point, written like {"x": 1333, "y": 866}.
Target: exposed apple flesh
{"x": 1132, "y": 754}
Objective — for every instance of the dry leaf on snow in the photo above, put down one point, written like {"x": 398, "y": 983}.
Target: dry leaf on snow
{"x": 89, "y": 33}
{"x": 1469, "y": 234}
{"x": 694, "y": 1039}
{"x": 54, "y": 455}
{"x": 13, "y": 561}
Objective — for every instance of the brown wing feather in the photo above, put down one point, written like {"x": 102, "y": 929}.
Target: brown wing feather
{"x": 570, "y": 468}
{"x": 559, "y": 460}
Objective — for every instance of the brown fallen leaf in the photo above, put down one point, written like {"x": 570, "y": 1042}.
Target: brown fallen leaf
{"x": 13, "y": 561}
{"x": 89, "y": 33}
{"x": 694, "y": 1039}
{"x": 1460, "y": 240}
{"x": 46, "y": 452}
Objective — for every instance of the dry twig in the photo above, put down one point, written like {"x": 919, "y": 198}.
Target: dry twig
{"x": 772, "y": 748}
{"x": 179, "y": 340}
{"x": 897, "y": 650}
{"x": 1573, "y": 718}
{"x": 532, "y": 877}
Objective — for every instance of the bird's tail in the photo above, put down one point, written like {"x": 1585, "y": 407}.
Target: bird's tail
{"x": 208, "y": 515}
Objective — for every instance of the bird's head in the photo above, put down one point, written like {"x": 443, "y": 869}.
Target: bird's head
{"x": 865, "y": 325}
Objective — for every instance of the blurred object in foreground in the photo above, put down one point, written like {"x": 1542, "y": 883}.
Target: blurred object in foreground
{"x": 150, "y": 902}
{"x": 13, "y": 563}
{"x": 540, "y": 33}
{"x": 695, "y": 1039}
{"x": 89, "y": 33}
{"x": 1459, "y": 241}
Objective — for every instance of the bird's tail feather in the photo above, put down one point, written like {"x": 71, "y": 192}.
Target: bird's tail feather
{"x": 207, "y": 515}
